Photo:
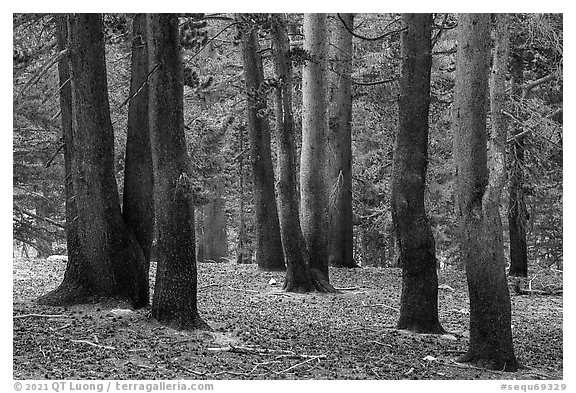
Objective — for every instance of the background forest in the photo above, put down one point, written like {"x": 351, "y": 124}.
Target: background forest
{"x": 255, "y": 144}
{"x": 216, "y": 133}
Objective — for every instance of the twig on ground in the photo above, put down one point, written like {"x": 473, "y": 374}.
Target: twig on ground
{"x": 301, "y": 363}
{"x": 241, "y": 290}
{"x": 40, "y": 316}
{"x": 347, "y": 288}
{"x": 92, "y": 344}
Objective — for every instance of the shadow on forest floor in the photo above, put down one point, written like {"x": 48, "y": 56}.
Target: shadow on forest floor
{"x": 259, "y": 332}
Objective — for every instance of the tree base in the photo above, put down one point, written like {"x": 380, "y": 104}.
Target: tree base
{"x": 421, "y": 328}
{"x": 194, "y": 322}
{"x": 69, "y": 294}
{"x": 490, "y": 363}
{"x": 317, "y": 282}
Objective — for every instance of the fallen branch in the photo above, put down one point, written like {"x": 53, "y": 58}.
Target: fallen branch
{"x": 92, "y": 344}
{"x": 300, "y": 364}
{"x": 347, "y": 289}
{"x": 41, "y": 316}
{"x": 280, "y": 353}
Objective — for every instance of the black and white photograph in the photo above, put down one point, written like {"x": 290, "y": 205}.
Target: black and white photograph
{"x": 207, "y": 199}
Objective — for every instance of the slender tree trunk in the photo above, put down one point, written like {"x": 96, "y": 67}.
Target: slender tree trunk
{"x": 138, "y": 198}
{"x": 72, "y": 235}
{"x": 416, "y": 248}
{"x": 298, "y": 278}
{"x": 110, "y": 263}
{"x": 341, "y": 238}
{"x": 313, "y": 190}
{"x": 242, "y": 254}
{"x": 269, "y": 255}
{"x": 517, "y": 212}
{"x": 215, "y": 240}
{"x": 175, "y": 295}
{"x": 490, "y": 309}
{"x": 199, "y": 225}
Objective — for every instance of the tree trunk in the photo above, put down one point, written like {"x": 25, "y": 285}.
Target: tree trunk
{"x": 214, "y": 239}
{"x": 107, "y": 262}
{"x": 138, "y": 198}
{"x": 481, "y": 243}
{"x": 242, "y": 256}
{"x": 414, "y": 239}
{"x": 341, "y": 240}
{"x": 313, "y": 193}
{"x": 298, "y": 277}
{"x": 175, "y": 295}
{"x": 517, "y": 212}
{"x": 269, "y": 255}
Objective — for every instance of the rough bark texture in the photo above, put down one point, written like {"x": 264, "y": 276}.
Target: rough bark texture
{"x": 138, "y": 197}
{"x": 106, "y": 261}
{"x": 341, "y": 241}
{"x": 175, "y": 297}
{"x": 269, "y": 255}
{"x": 313, "y": 190}
{"x": 490, "y": 311}
{"x": 517, "y": 212}
{"x": 298, "y": 278}
{"x": 416, "y": 248}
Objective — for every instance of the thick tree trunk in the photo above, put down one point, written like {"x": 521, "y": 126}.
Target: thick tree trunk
{"x": 298, "y": 277}
{"x": 481, "y": 243}
{"x": 341, "y": 240}
{"x": 517, "y": 212}
{"x": 313, "y": 190}
{"x": 138, "y": 198}
{"x": 416, "y": 248}
{"x": 108, "y": 262}
{"x": 269, "y": 255}
{"x": 175, "y": 294}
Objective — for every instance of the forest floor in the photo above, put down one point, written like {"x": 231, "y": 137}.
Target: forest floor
{"x": 260, "y": 332}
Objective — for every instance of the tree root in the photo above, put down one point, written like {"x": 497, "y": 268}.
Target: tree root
{"x": 491, "y": 363}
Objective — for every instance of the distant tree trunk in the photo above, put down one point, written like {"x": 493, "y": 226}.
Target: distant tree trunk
{"x": 43, "y": 242}
{"x": 214, "y": 239}
{"x": 109, "y": 263}
{"x": 414, "y": 239}
{"x": 341, "y": 238}
{"x": 313, "y": 192}
{"x": 490, "y": 310}
{"x": 199, "y": 225}
{"x": 298, "y": 277}
{"x": 72, "y": 235}
{"x": 242, "y": 256}
{"x": 175, "y": 295}
{"x": 138, "y": 198}
{"x": 269, "y": 255}
{"x": 517, "y": 212}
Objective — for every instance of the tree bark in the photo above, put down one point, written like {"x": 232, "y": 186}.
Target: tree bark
{"x": 175, "y": 295}
{"x": 341, "y": 238}
{"x": 414, "y": 239}
{"x": 313, "y": 192}
{"x": 138, "y": 197}
{"x": 517, "y": 212}
{"x": 105, "y": 260}
{"x": 490, "y": 310}
{"x": 298, "y": 277}
{"x": 269, "y": 255}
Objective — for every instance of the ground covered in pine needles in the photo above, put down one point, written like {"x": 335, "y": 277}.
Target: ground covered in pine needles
{"x": 260, "y": 332}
